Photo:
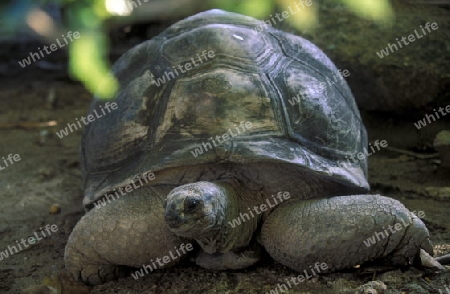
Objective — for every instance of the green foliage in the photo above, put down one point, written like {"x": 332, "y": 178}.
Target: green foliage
{"x": 88, "y": 54}
{"x": 255, "y": 8}
{"x": 377, "y": 10}
{"x": 87, "y": 61}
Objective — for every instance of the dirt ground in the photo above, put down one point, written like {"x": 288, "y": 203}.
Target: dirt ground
{"x": 48, "y": 173}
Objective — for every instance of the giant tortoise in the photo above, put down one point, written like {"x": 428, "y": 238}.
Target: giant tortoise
{"x": 247, "y": 132}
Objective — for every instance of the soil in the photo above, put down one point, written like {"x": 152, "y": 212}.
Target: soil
{"x": 48, "y": 173}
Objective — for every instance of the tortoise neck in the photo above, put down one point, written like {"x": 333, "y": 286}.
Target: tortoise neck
{"x": 236, "y": 224}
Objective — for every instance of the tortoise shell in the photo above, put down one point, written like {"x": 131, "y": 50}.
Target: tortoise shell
{"x": 216, "y": 79}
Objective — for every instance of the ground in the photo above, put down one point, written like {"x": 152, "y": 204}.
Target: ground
{"x": 48, "y": 173}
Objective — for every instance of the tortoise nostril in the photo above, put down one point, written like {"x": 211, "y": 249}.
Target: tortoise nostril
{"x": 172, "y": 217}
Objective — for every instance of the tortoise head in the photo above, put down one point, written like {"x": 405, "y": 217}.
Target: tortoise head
{"x": 196, "y": 209}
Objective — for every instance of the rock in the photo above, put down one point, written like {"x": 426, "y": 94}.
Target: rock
{"x": 373, "y": 287}
{"x": 55, "y": 209}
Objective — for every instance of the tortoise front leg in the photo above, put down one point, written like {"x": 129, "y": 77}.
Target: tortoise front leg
{"x": 343, "y": 231}
{"x": 129, "y": 231}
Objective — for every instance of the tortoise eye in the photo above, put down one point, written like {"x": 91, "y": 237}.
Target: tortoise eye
{"x": 190, "y": 204}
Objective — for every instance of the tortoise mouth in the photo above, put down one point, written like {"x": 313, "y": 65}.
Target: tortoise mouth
{"x": 180, "y": 224}
{"x": 174, "y": 224}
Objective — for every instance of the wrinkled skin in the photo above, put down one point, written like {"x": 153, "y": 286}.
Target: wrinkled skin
{"x": 292, "y": 126}
{"x": 295, "y": 233}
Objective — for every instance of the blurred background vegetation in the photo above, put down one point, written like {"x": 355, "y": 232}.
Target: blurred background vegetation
{"x": 88, "y": 55}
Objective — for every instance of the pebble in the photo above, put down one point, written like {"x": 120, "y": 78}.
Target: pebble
{"x": 55, "y": 209}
